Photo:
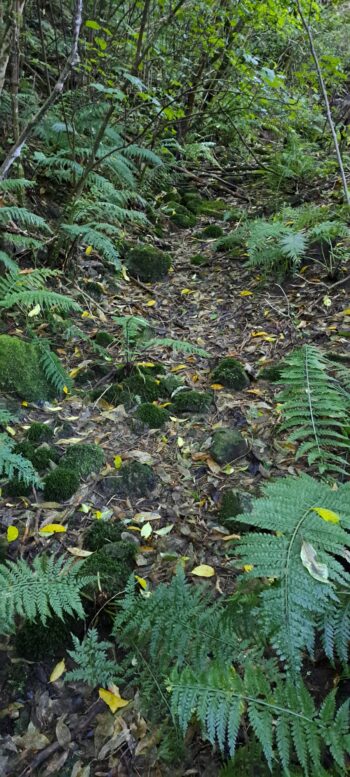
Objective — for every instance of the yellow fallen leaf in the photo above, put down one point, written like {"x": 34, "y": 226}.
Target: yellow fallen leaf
{"x": 245, "y": 293}
{"x": 88, "y": 250}
{"x": 180, "y": 442}
{"x": 248, "y": 567}
{"x": 145, "y": 364}
{"x": 80, "y": 552}
{"x": 24, "y": 403}
{"x": 146, "y": 530}
{"x": 35, "y": 311}
{"x": 217, "y": 386}
{"x": 124, "y": 274}
{"x": 52, "y": 528}
{"x": 118, "y": 461}
{"x": 327, "y": 301}
{"x": 11, "y": 431}
{"x": 187, "y": 291}
{"x": 203, "y": 571}
{"x": 113, "y": 700}
{"x": 12, "y": 533}
{"x": 86, "y": 314}
{"x": 259, "y": 334}
{"x": 164, "y": 404}
{"x": 179, "y": 367}
{"x": 345, "y": 312}
{"x": 84, "y": 508}
{"x": 58, "y": 671}
{"x": 151, "y": 303}
{"x": 141, "y": 581}
{"x": 65, "y": 390}
{"x": 98, "y": 514}
{"x": 326, "y": 515}
{"x": 74, "y": 372}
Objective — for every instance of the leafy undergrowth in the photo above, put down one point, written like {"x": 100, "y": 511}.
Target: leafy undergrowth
{"x": 177, "y": 518}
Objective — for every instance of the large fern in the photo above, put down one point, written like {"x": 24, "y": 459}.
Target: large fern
{"x": 47, "y": 587}
{"x": 29, "y": 289}
{"x": 15, "y": 465}
{"x": 282, "y": 716}
{"x": 301, "y": 596}
{"x": 314, "y": 408}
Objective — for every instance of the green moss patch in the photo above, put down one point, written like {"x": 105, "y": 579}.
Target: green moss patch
{"x": 192, "y": 401}
{"x": 36, "y": 642}
{"x": 21, "y": 370}
{"x": 16, "y": 487}
{"x": 145, "y": 387}
{"x": 104, "y": 339}
{"x": 271, "y": 372}
{"x": 61, "y": 484}
{"x": 212, "y": 231}
{"x": 147, "y": 263}
{"x": 231, "y": 374}
{"x": 234, "y": 503}
{"x": 151, "y": 415}
{"x": 115, "y": 395}
{"x": 84, "y": 459}
{"x": 133, "y": 480}
{"x": 198, "y": 260}
{"x": 180, "y": 215}
{"x": 102, "y": 532}
{"x": 39, "y": 433}
{"x": 40, "y": 457}
{"x": 113, "y": 564}
{"x": 193, "y": 203}
{"x": 170, "y": 383}
{"x": 228, "y": 445}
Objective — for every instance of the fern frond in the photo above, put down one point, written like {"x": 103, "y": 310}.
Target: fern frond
{"x": 283, "y": 717}
{"x": 176, "y": 345}
{"x": 315, "y": 408}
{"x": 49, "y": 587}
{"x": 97, "y": 239}
{"x": 14, "y": 464}
{"x": 23, "y": 217}
{"x": 295, "y": 600}
{"x": 93, "y": 665}
{"x": 46, "y": 300}
{"x": 9, "y": 263}
{"x": 53, "y": 369}
{"x": 14, "y": 185}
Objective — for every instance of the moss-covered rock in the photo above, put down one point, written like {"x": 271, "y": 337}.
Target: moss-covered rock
{"x": 213, "y": 207}
{"x": 212, "y": 231}
{"x": 231, "y": 374}
{"x": 234, "y": 503}
{"x": 39, "y": 433}
{"x": 21, "y": 370}
{"x": 193, "y": 203}
{"x": 147, "y": 263}
{"x": 192, "y": 401}
{"x": 115, "y": 395}
{"x": 180, "y": 215}
{"x": 113, "y": 564}
{"x": 17, "y": 487}
{"x": 227, "y": 445}
{"x": 271, "y": 372}
{"x": 40, "y": 457}
{"x": 198, "y": 260}
{"x": 151, "y": 415}
{"x": 83, "y": 459}
{"x": 170, "y": 383}
{"x": 61, "y": 484}
{"x": 101, "y": 533}
{"x": 143, "y": 386}
{"x": 133, "y": 479}
{"x": 36, "y": 642}
{"x": 104, "y": 339}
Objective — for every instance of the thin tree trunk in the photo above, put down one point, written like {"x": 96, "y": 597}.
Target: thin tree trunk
{"x": 8, "y": 21}
{"x": 72, "y": 60}
{"x": 308, "y": 31}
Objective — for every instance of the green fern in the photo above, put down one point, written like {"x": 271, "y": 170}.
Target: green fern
{"x": 297, "y": 599}
{"x": 53, "y": 369}
{"x": 282, "y": 716}
{"x": 23, "y": 217}
{"x": 138, "y": 338}
{"x": 14, "y": 464}
{"x": 94, "y": 666}
{"x": 9, "y": 263}
{"x": 315, "y": 407}
{"x": 274, "y": 247}
{"x": 29, "y": 289}
{"x": 49, "y": 587}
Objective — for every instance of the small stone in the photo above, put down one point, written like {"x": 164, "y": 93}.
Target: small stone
{"x": 134, "y": 480}
{"x": 234, "y": 503}
{"x": 227, "y": 445}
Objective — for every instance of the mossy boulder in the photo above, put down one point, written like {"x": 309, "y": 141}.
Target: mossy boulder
{"x": 101, "y": 533}
{"x": 143, "y": 386}
{"x": 115, "y": 395}
{"x": 234, "y": 503}
{"x": 212, "y": 231}
{"x": 193, "y": 203}
{"x": 230, "y": 373}
{"x": 61, "y": 484}
{"x": 17, "y": 487}
{"x": 36, "y": 642}
{"x": 213, "y": 207}
{"x": 21, "y": 370}
{"x": 39, "y": 433}
{"x": 40, "y": 457}
{"x": 104, "y": 339}
{"x": 198, "y": 260}
{"x": 113, "y": 564}
{"x": 272, "y": 372}
{"x": 192, "y": 401}
{"x": 83, "y": 459}
{"x": 147, "y": 263}
{"x": 151, "y": 415}
{"x": 134, "y": 480}
{"x": 227, "y": 445}
{"x": 170, "y": 383}
{"x": 180, "y": 215}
